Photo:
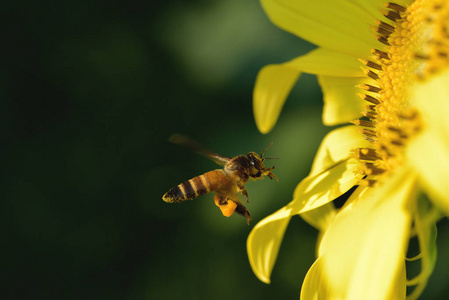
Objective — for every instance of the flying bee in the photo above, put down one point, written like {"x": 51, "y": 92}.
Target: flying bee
{"x": 227, "y": 183}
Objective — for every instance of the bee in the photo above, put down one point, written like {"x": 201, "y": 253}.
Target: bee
{"x": 227, "y": 183}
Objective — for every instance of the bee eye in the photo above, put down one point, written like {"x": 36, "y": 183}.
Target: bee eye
{"x": 255, "y": 164}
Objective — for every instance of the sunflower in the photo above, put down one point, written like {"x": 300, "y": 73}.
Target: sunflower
{"x": 383, "y": 67}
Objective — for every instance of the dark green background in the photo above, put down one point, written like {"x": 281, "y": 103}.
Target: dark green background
{"x": 90, "y": 92}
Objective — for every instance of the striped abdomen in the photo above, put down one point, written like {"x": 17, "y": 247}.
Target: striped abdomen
{"x": 197, "y": 186}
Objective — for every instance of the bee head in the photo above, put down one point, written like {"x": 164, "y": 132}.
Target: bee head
{"x": 256, "y": 167}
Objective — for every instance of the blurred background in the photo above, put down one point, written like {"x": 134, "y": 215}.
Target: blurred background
{"x": 90, "y": 91}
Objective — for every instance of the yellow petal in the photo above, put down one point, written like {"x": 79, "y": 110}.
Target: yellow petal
{"x": 315, "y": 286}
{"x": 399, "y": 289}
{"x": 322, "y": 61}
{"x": 336, "y": 147}
{"x": 343, "y": 26}
{"x": 429, "y": 152}
{"x": 319, "y": 189}
{"x": 321, "y": 217}
{"x": 341, "y": 102}
{"x": 430, "y": 157}
{"x": 333, "y": 172}
{"x": 363, "y": 249}
{"x": 273, "y": 84}
{"x": 264, "y": 241}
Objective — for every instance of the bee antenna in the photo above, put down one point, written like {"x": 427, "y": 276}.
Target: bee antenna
{"x": 261, "y": 154}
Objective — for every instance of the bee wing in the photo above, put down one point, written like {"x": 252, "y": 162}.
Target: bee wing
{"x": 195, "y": 146}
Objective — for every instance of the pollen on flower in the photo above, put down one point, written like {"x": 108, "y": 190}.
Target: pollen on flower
{"x": 415, "y": 46}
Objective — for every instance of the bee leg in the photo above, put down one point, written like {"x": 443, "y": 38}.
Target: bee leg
{"x": 241, "y": 210}
{"x": 229, "y": 206}
{"x": 222, "y": 201}
{"x": 244, "y": 192}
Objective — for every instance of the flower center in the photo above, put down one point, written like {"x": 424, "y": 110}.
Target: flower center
{"x": 416, "y": 44}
